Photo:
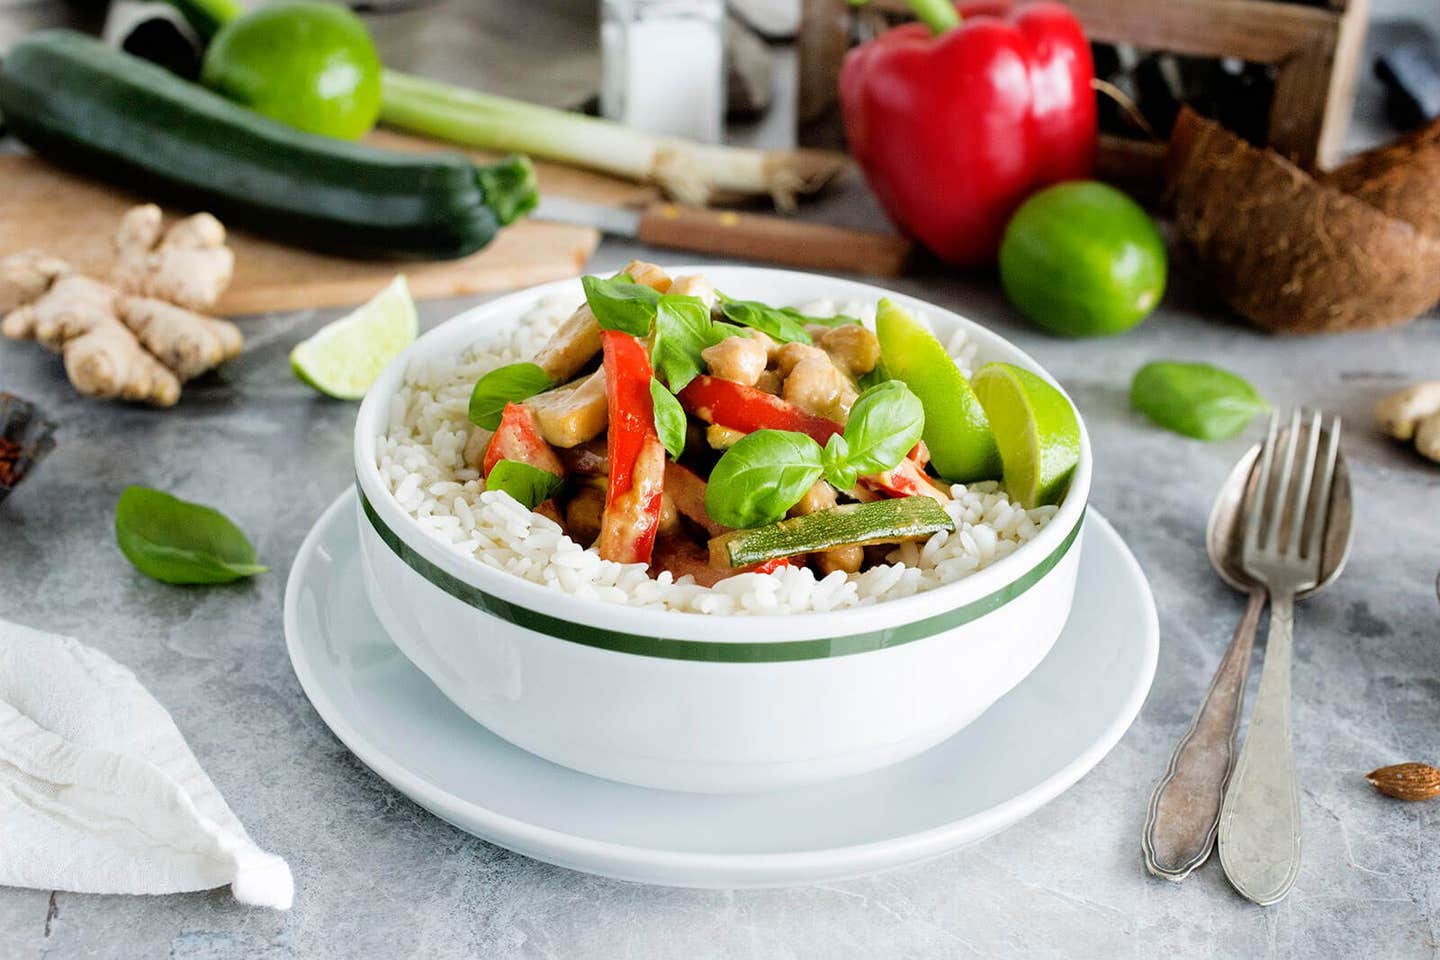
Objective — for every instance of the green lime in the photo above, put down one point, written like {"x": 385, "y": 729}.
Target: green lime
{"x": 962, "y": 446}
{"x": 1036, "y": 428}
{"x": 310, "y": 65}
{"x": 346, "y": 356}
{"x": 1082, "y": 259}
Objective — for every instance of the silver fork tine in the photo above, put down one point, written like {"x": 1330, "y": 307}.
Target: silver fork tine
{"x": 1282, "y": 489}
{"x": 1314, "y": 543}
{"x": 1256, "y": 512}
{"x": 1302, "y": 492}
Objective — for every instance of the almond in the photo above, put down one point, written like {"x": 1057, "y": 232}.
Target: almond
{"x": 1406, "y": 781}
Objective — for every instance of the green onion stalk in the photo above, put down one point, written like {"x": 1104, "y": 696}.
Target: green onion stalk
{"x": 686, "y": 171}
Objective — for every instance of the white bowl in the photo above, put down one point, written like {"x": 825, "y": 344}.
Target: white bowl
{"x": 687, "y": 701}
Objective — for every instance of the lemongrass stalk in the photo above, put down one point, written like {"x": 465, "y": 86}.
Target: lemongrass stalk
{"x": 687, "y": 171}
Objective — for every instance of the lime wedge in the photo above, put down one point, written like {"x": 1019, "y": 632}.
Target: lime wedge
{"x": 962, "y": 446}
{"x": 346, "y": 356}
{"x": 1036, "y": 429}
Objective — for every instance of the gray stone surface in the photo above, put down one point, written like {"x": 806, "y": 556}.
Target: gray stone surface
{"x": 379, "y": 877}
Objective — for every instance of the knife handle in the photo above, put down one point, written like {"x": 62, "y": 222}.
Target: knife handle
{"x": 794, "y": 243}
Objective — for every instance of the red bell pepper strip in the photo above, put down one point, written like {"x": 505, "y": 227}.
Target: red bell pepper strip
{"x": 907, "y": 479}
{"x": 682, "y": 557}
{"x": 518, "y": 438}
{"x": 637, "y": 457}
{"x": 747, "y": 409}
{"x": 955, "y": 122}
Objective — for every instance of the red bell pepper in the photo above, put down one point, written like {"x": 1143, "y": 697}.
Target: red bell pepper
{"x": 747, "y": 409}
{"x": 955, "y": 122}
{"x": 682, "y": 556}
{"x": 637, "y": 457}
{"x": 518, "y": 438}
{"x": 907, "y": 479}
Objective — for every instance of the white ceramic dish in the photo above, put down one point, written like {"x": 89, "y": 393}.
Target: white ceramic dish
{"x": 1034, "y": 743}
{"x": 709, "y": 703}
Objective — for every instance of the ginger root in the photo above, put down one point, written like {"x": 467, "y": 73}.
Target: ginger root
{"x": 186, "y": 342}
{"x": 189, "y": 265}
{"x": 138, "y": 337}
{"x": 77, "y": 319}
{"x": 1414, "y": 414}
{"x": 26, "y": 275}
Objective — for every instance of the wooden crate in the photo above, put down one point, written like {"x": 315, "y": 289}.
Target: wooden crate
{"x": 1315, "y": 52}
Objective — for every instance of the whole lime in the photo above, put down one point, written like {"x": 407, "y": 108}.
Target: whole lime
{"x": 310, "y": 65}
{"x": 1082, "y": 259}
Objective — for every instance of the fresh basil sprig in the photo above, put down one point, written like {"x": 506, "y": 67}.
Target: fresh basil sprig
{"x": 1195, "y": 399}
{"x": 621, "y": 304}
{"x": 836, "y": 458}
{"x": 682, "y": 329}
{"x": 511, "y": 383}
{"x": 767, "y": 472}
{"x": 530, "y": 486}
{"x": 885, "y": 423}
{"x": 176, "y": 541}
{"x": 778, "y": 324}
{"x": 670, "y": 422}
{"x": 764, "y": 474}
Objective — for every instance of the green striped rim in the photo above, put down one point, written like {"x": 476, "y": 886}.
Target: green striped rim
{"x": 675, "y": 649}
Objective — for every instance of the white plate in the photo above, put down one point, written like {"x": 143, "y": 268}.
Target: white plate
{"x": 1032, "y": 745}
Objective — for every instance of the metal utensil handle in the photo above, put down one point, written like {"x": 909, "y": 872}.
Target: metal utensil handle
{"x": 1260, "y": 820}
{"x": 1184, "y": 812}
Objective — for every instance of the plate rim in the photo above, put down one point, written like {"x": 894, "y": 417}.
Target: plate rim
{"x": 642, "y": 863}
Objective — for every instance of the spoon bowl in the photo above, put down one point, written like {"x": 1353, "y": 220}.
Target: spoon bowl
{"x": 1225, "y": 533}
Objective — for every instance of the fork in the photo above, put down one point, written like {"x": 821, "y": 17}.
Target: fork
{"x": 1284, "y": 536}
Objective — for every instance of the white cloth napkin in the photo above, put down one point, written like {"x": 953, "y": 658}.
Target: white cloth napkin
{"x": 99, "y": 793}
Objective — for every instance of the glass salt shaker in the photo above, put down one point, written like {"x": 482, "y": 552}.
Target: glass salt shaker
{"x": 664, "y": 66}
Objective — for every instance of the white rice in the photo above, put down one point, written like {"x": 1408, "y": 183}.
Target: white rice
{"x": 420, "y": 461}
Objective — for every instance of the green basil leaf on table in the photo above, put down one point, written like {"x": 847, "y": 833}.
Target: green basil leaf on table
{"x": 670, "y": 422}
{"x": 836, "y": 459}
{"x": 619, "y": 304}
{"x": 772, "y": 321}
{"x": 1195, "y": 399}
{"x": 682, "y": 329}
{"x": 885, "y": 423}
{"x": 763, "y": 475}
{"x": 530, "y": 486}
{"x": 175, "y": 541}
{"x": 511, "y": 383}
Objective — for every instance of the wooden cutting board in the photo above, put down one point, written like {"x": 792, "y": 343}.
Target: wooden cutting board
{"x": 64, "y": 214}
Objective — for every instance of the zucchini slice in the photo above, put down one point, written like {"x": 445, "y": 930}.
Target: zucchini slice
{"x": 881, "y": 521}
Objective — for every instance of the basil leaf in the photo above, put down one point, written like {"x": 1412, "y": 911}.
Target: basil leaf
{"x": 763, "y": 475}
{"x": 530, "y": 486}
{"x": 878, "y": 375}
{"x": 670, "y": 420}
{"x": 176, "y": 541}
{"x": 1195, "y": 399}
{"x": 682, "y": 330}
{"x": 508, "y": 384}
{"x": 885, "y": 422}
{"x": 619, "y": 304}
{"x": 836, "y": 457}
{"x": 778, "y": 324}
{"x": 839, "y": 320}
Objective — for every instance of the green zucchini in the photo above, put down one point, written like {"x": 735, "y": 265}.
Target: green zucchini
{"x": 881, "y": 521}
{"x": 116, "y": 117}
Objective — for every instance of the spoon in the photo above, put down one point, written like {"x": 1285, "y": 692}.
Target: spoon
{"x": 1184, "y": 813}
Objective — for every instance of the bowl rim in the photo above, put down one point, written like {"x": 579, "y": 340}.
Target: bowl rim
{"x": 861, "y": 623}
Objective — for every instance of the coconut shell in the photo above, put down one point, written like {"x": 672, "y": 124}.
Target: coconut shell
{"x": 1289, "y": 253}
{"x": 1401, "y": 178}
